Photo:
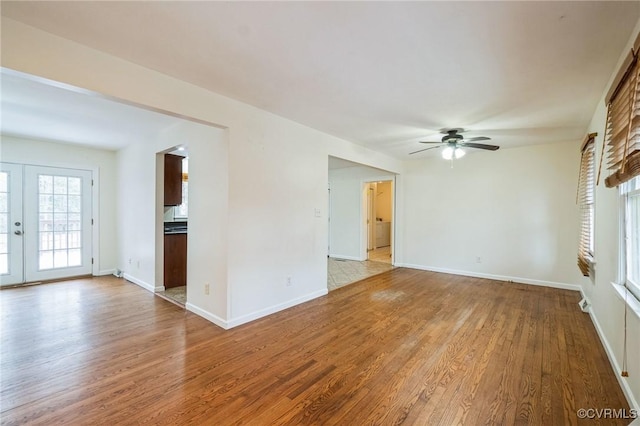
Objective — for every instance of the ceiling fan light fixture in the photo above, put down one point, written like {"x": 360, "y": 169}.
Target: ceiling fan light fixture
{"x": 452, "y": 142}
{"x": 447, "y": 153}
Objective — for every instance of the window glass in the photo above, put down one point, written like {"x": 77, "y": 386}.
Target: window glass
{"x": 182, "y": 211}
{"x": 631, "y": 194}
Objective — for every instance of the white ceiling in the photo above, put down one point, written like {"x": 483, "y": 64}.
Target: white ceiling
{"x": 380, "y": 74}
{"x": 35, "y": 109}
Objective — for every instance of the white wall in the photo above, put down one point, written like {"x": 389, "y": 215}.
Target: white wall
{"x": 277, "y": 175}
{"x": 513, "y": 208}
{"x": 347, "y": 234}
{"x": 207, "y": 239}
{"x": 607, "y": 307}
{"x": 101, "y": 162}
{"x": 140, "y": 185}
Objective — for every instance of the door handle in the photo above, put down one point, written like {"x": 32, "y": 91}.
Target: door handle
{"x": 18, "y": 232}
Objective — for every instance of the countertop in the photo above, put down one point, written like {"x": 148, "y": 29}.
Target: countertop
{"x": 172, "y": 228}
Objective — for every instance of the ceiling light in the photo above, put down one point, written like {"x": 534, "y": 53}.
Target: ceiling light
{"x": 452, "y": 152}
{"x": 447, "y": 153}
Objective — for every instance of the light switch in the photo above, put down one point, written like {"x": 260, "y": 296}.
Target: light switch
{"x": 317, "y": 211}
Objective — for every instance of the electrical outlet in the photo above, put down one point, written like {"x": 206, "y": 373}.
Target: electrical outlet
{"x": 478, "y": 259}
{"x": 129, "y": 261}
{"x": 289, "y": 281}
{"x": 138, "y": 264}
{"x": 206, "y": 289}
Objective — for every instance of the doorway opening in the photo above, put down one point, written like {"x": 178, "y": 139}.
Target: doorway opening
{"x": 379, "y": 221}
{"x": 356, "y": 193}
{"x": 175, "y": 220}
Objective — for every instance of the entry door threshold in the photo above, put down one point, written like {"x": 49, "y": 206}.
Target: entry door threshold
{"x": 168, "y": 299}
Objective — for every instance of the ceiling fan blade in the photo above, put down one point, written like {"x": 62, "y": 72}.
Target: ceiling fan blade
{"x": 477, "y": 138}
{"x": 426, "y": 149}
{"x": 430, "y": 142}
{"x": 480, "y": 146}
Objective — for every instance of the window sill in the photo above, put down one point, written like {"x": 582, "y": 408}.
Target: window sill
{"x": 632, "y": 303}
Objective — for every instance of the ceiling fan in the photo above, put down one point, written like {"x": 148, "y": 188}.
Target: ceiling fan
{"x": 453, "y": 141}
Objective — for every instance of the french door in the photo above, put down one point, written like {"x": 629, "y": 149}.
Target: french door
{"x": 45, "y": 223}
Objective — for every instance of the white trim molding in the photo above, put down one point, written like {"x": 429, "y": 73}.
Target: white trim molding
{"x": 105, "y": 272}
{"x": 519, "y": 280}
{"x": 627, "y": 297}
{"x": 207, "y": 315}
{"x": 234, "y": 322}
{"x": 141, "y": 283}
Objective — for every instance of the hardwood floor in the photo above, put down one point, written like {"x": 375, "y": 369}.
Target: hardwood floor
{"x": 403, "y": 347}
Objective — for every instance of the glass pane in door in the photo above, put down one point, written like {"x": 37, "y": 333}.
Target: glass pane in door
{"x": 59, "y": 221}
{"x": 4, "y": 223}
{"x": 11, "y": 239}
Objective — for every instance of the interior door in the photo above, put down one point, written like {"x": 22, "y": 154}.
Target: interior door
{"x": 11, "y": 240}
{"x": 45, "y": 223}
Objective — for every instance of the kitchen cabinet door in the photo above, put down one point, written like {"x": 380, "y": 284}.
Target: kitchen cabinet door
{"x": 172, "y": 180}
{"x": 175, "y": 260}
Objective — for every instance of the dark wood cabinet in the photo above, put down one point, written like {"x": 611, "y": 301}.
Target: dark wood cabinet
{"x": 175, "y": 260}
{"x": 172, "y": 180}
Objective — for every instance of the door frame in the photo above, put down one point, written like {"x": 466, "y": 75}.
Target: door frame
{"x": 364, "y": 185}
{"x": 329, "y": 219}
{"x": 159, "y": 221}
{"x": 370, "y": 220}
{"x": 15, "y": 242}
{"x": 95, "y": 204}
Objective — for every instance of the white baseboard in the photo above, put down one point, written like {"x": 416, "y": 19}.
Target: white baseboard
{"x": 624, "y": 383}
{"x": 207, "y": 315}
{"x": 105, "y": 272}
{"x": 519, "y": 280}
{"x": 234, "y": 322}
{"x": 345, "y": 257}
{"x": 141, "y": 283}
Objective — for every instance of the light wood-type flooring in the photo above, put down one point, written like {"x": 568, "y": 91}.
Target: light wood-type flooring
{"x": 402, "y": 347}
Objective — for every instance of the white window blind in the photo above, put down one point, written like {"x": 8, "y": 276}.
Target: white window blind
{"x": 585, "y": 199}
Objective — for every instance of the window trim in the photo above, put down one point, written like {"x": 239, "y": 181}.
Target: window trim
{"x": 627, "y": 290}
{"x": 628, "y": 298}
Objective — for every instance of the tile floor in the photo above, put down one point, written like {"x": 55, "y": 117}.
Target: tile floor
{"x": 177, "y": 295}
{"x": 340, "y": 273}
{"x": 344, "y": 272}
{"x": 382, "y": 254}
